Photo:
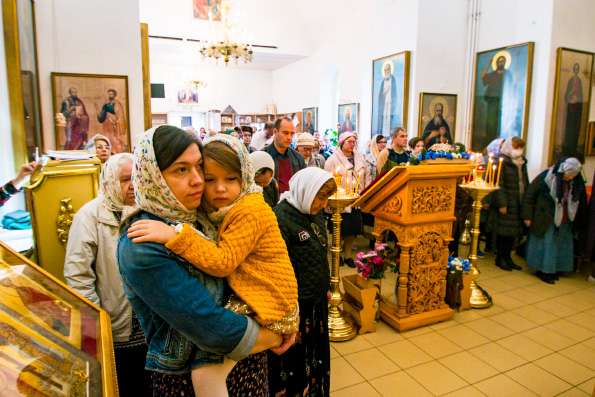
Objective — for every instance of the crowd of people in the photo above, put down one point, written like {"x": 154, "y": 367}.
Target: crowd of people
{"x": 209, "y": 251}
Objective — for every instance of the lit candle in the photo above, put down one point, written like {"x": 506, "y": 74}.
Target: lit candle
{"x": 499, "y": 171}
{"x": 474, "y": 174}
{"x": 493, "y": 175}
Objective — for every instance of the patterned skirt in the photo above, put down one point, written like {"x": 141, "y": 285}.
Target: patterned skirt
{"x": 304, "y": 370}
{"x": 247, "y": 379}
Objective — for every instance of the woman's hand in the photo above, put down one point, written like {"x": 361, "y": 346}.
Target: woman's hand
{"x": 150, "y": 231}
{"x": 503, "y": 210}
{"x": 527, "y": 222}
{"x": 25, "y": 170}
{"x": 288, "y": 341}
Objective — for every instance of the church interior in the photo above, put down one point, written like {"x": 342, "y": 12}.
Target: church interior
{"x": 419, "y": 172}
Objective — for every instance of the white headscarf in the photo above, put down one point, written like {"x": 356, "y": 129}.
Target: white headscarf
{"x": 570, "y": 167}
{"x": 151, "y": 192}
{"x": 110, "y": 181}
{"x": 304, "y": 186}
{"x": 260, "y": 160}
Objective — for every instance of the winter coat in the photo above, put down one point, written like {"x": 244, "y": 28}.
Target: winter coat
{"x": 306, "y": 240}
{"x": 509, "y": 196}
{"x": 90, "y": 265}
{"x": 539, "y": 207}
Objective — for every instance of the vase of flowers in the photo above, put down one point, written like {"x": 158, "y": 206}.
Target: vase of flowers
{"x": 458, "y": 283}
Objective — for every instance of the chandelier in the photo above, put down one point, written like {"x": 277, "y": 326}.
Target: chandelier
{"x": 226, "y": 48}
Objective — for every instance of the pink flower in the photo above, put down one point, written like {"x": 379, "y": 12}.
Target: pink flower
{"x": 377, "y": 260}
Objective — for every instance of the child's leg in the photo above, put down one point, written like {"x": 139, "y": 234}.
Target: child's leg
{"x": 210, "y": 380}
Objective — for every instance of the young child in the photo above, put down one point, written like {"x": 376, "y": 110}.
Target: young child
{"x": 242, "y": 243}
{"x": 263, "y": 166}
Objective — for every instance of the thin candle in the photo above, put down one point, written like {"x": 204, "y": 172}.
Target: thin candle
{"x": 499, "y": 171}
{"x": 493, "y": 175}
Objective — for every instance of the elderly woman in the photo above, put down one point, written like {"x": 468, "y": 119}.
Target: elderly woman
{"x": 305, "y": 369}
{"x": 554, "y": 209}
{"x": 377, "y": 145}
{"x": 347, "y": 160}
{"x": 102, "y": 146}
{"x": 179, "y": 307}
{"x": 90, "y": 268}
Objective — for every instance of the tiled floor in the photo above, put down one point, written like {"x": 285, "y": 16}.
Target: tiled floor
{"x": 537, "y": 339}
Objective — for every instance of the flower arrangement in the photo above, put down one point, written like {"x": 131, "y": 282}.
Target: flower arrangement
{"x": 455, "y": 263}
{"x": 373, "y": 264}
{"x": 441, "y": 151}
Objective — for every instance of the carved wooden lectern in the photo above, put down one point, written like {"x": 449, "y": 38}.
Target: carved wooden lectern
{"x": 417, "y": 204}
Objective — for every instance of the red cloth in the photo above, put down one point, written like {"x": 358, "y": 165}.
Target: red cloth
{"x": 285, "y": 173}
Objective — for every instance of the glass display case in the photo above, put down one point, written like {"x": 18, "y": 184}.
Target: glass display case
{"x": 53, "y": 342}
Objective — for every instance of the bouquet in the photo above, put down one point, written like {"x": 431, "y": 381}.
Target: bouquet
{"x": 373, "y": 264}
{"x": 455, "y": 263}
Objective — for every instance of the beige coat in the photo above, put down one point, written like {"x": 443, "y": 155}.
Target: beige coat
{"x": 91, "y": 266}
{"x": 338, "y": 159}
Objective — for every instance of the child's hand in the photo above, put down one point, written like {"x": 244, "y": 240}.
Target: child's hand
{"x": 149, "y": 231}
{"x": 288, "y": 341}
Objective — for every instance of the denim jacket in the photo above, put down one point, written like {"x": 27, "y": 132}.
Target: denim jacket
{"x": 179, "y": 308}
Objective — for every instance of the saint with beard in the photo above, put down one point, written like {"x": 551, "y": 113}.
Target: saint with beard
{"x": 77, "y": 121}
{"x": 494, "y": 83}
{"x": 437, "y": 128}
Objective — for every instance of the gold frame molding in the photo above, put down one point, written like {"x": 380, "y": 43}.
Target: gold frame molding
{"x": 144, "y": 45}
{"x": 527, "y": 103}
{"x": 589, "y": 136}
{"x": 420, "y": 113}
{"x": 406, "y": 75}
{"x": 108, "y": 359}
{"x": 13, "y": 76}
{"x": 53, "y": 75}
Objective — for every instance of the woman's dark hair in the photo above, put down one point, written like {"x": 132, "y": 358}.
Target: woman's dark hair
{"x": 223, "y": 155}
{"x": 413, "y": 141}
{"x": 170, "y": 142}
{"x": 379, "y": 137}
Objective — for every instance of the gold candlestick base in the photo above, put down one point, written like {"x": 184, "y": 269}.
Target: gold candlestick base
{"x": 480, "y": 298}
{"x": 340, "y": 326}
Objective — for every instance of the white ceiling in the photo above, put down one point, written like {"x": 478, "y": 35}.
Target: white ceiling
{"x": 164, "y": 51}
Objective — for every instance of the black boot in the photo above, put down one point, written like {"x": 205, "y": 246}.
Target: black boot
{"x": 511, "y": 263}
{"x": 349, "y": 262}
{"x": 546, "y": 277}
{"x": 501, "y": 263}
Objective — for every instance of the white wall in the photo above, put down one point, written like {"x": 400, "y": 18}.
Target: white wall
{"x": 89, "y": 37}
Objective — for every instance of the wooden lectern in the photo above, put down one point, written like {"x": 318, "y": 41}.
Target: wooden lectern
{"x": 417, "y": 204}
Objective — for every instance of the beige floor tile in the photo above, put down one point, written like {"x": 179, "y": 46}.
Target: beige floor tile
{"x": 360, "y": 390}
{"x": 498, "y": 357}
{"x": 570, "y": 330}
{"x": 416, "y": 332}
{"x": 544, "y": 291}
{"x": 436, "y": 378}
{"x": 496, "y": 285}
{"x": 590, "y": 342}
{"x": 582, "y": 354}
{"x": 334, "y": 353}
{"x": 405, "y": 354}
{"x": 514, "y": 321}
{"x": 467, "y": 316}
{"x": 552, "y": 306}
{"x": 343, "y": 374}
{"x": 548, "y": 338}
{"x": 577, "y": 300}
{"x": 574, "y": 392}
{"x": 588, "y": 387}
{"x": 566, "y": 369}
{"x": 371, "y": 363}
{"x": 490, "y": 329}
{"x": 468, "y": 391}
{"x": 503, "y": 386}
{"x": 507, "y": 302}
{"x": 524, "y": 347}
{"x": 523, "y": 295}
{"x": 444, "y": 324}
{"x": 491, "y": 311}
{"x": 435, "y": 345}
{"x": 384, "y": 334}
{"x": 468, "y": 367}
{"x": 536, "y": 315}
{"x": 584, "y": 319}
{"x": 399, "y": 384}
{"x": 464, "y": 336}
{"x": 352, "y": 346}
{"x": 538, "y": 380}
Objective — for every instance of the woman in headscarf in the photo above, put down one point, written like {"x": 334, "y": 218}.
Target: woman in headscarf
{"x": 377, "y": 144}
{"x": 91, "y": 269}
{"x": 505, "y": 206}
{"x": 304, "y": 370}
{"x": 179, "y": 307}
{"x": 351, "y": 164}
{"x": 554, "y": 209}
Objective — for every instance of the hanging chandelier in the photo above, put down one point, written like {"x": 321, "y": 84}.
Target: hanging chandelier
{"x": 226, "y": 48}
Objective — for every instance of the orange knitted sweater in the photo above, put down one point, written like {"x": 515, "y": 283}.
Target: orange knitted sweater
{"x": 251, "y": 253}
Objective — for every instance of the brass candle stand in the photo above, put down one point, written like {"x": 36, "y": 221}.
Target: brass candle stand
{"x": 477, "y": 189}
{"x": 340, "y": 326}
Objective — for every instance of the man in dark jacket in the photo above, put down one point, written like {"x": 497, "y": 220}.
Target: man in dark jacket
{"x": 287, "y": 160}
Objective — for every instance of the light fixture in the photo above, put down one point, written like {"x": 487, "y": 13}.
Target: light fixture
{"x": 226, "y": 48}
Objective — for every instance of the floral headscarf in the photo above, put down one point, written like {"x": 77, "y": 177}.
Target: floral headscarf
{"x": 247, "y": 185}
{"x": 110, "y": 181}
{"x": 151, "y": 192}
